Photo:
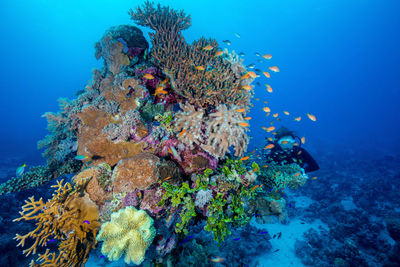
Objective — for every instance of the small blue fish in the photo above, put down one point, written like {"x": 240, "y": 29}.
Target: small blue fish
{"x": 102, "y": 256}
{"x": 263, "y": 233}
{"x": 227, "y": 42}
{"x": 236, "y": 239}
{"x": 125, "y": 49}
{"x": 51, "y": 240}
{"x": 80, "y": 157}
{"x": 20, "y": 170}
{"x": 236, "y": 34}
{"x": 86, "y": 222}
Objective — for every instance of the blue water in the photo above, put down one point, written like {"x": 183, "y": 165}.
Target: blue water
{"x": 338, "y": 60}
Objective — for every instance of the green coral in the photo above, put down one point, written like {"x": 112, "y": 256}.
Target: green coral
{"x": 166, "y": 120}
{"x": 223, "y": 215}
{"x": 279, "y": 176}
{"x": 151, "y": 110}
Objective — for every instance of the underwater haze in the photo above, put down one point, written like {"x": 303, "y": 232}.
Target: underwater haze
{"x": 327, "y": 71}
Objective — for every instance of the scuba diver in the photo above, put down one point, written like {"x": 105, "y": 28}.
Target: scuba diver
{"x": 286, "y": 152}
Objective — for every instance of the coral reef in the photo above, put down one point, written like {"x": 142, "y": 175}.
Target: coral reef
{"x": 130, "y": 231}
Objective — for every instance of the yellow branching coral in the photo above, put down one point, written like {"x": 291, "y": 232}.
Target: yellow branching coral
{"x": 130, "y": 231}
{"x": 69, "y": 217}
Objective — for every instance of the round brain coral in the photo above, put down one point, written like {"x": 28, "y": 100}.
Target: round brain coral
{"x": 130, "y": 231}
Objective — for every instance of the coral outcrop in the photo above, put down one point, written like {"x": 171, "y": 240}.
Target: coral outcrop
{"x": 130, "y": 231}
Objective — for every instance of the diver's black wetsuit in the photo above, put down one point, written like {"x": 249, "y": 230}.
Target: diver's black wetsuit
{"x": 296, "y": 155}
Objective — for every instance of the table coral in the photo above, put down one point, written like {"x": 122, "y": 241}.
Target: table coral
{"x": 92, "y": 142}
{"x": 68, "y": 217}
{"x": 130, "y": 231}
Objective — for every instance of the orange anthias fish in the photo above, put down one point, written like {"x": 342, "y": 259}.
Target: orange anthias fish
{"x": 274, "y": 69}
{"x": 270, "y": 129}
{"x": 244, "y": 158}
{"x": 246, "y": 76}
{"x": 217, "y": 259}
{"x": 267, "y": 56}
{"x": 148, "y": 76}
{"x": 312, "y": 117}
{"x": 296, "y": 174}
{"x": 269, "y": 146}
{"x": 265, "y": 166}
{"x": 267, "y": 74}
{"x": 297, "y": 119}
{"x": 169, "y": 177}
{"x": 252, "y": 74}
{"x": 315, "y": 177}
{"x": 241, "y": 110}
{"x": 275, "y": 115}
{"x": 269, "y": 88}
{"x": 181, "y": 133}
{"x": 266, "y": 109}
{"x": 303, "y": 140}
{"x": 254, "y": 187}
{"x": 286, "y": 112}
{"x": 165, "y": 81}
{"x": 218, "y": 53}
{"x": 199, "y": 68}
{"x": 208, "y": 47}
{"x": 247, "y": 87}
{"x": 284, "y": 142}
{"x": 270, "y": 139}
{"x": 247, "y": 118}
{"x": 243, "y": 124}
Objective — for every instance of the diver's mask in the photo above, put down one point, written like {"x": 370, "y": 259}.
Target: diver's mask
{"x": 286, "y": 142}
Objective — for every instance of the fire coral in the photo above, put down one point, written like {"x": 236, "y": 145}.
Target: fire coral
{"x": 67, "y": 217}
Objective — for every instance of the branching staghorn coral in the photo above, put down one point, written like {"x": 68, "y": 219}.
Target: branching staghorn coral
{"x": 68, "y": 217}
{"x": 224, "y": 131}
{"x": 195, "y": 73}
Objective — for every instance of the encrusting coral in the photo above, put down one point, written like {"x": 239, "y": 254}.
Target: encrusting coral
{"x": 130, "y": 231}
{"x": 68, "y": 217}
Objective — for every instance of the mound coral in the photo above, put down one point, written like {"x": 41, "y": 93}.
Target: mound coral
{"x": 139, "y": 171}
{"x": 68, "y": 217}
{"x": 98, "y": 179}
{"x": 130, "y": 231}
